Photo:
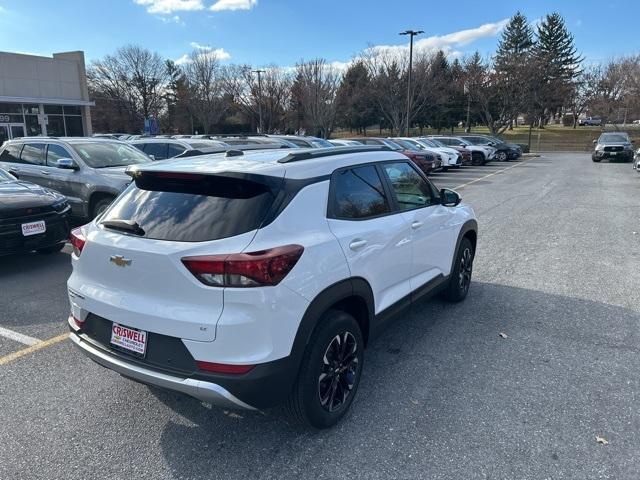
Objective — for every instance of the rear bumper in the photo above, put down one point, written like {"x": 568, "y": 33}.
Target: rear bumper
{"x": 202, "y": 390}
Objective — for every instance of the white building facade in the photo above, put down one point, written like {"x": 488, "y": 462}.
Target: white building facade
{"x": 43, "y": 95}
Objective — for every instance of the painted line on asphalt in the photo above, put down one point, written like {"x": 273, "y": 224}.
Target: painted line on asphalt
{"x": 18, "y": 337}
{"x": 33, "y": 348}
{"x": 492, "y": 174}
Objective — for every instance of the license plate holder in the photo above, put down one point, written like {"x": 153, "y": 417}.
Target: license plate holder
{"x": 129, "y": 340}
{"x": 33, "y": 228}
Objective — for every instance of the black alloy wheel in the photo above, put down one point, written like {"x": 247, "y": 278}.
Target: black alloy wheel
{"x": 338, "y": 372}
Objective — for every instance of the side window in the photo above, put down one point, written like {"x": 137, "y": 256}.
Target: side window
{"x": 175, "y": 150}
{"x": 11, "y": 153}
{"x": 139, "y": 146}
{"x": 411, "y": 190}
{"x": 158, "y": 150}
{"x": 55, "y": 153}
{"x": 33, "y": 154}
{"x": 357, "y": 193}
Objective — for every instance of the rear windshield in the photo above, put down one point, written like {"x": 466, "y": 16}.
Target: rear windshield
{"x": 192, "y": 208}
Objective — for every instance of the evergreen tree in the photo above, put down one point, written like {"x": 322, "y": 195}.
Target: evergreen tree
{"x": 515, "y": 43}
{"x": 355, "y": 106}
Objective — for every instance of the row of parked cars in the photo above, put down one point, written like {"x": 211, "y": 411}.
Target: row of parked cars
{"x": 48, "y": 180}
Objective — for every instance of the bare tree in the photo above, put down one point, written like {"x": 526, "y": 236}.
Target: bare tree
{"x": 134, "y": 77}
{"x": 584, "y": 90}
{"x": 242, "y": 86}
{"x": 318, "y": 85}
{"x": 204, "y": 78}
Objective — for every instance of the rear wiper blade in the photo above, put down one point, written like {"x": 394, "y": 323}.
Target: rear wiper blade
{"x": 124, "y": 225}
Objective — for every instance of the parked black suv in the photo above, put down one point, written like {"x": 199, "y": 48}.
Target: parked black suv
{"x": 504, "y": 151}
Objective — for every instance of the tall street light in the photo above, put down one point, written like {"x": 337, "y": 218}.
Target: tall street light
{"x": 411, "y": 33}
{"x": 259, "y": 72}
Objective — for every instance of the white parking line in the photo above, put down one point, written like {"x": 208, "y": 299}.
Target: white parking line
{"x": 18, "y": 337}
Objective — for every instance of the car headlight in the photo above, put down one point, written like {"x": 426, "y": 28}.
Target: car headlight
{"x": 599, "y": 148}
{"x": 60, "y": 205}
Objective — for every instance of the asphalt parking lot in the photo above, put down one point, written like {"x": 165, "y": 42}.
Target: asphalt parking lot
{"x": 443, "y": 395}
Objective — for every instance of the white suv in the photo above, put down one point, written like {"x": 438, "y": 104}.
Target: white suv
{"x": 256, "y": 279}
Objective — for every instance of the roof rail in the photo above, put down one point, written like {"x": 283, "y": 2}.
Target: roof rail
{"x": 331, "y": 151}
{"x": 223, "y": 135}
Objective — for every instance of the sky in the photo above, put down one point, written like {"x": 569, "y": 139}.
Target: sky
{"x": 281, "y": 32}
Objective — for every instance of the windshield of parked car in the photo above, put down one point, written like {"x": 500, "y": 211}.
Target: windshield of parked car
{"x": 5, "y": 176}
{"x": 429, "y": 142}
{"x": 613, "y": 137}
{"x": 408, "y": 144}
{"x": 109, "y": 154}
{"x": 393, "y": 145}
{"x": 320, "y": 143}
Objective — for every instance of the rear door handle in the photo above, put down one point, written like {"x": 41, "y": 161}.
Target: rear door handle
{"x": 416, "y": 225}
{"x": 14, "y": 171}
{"x": 44, "y": 172}
{"x": 356, "y": 244}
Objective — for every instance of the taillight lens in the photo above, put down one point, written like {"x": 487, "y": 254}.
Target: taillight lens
{"x": 77, "y": 240}
{"x": 255, "y": 269}
{"x": 223, "y": 368}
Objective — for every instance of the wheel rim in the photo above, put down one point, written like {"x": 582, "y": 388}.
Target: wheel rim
{"x": 339, "y": 371}
{"x": 466, "y": 266}
{"x": 502, "y": 156}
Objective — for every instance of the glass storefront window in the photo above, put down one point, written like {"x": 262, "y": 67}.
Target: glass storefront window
{"x": 32, "y": 126}
{"x": 11, "y": 108}
{"x": 53, "y": 109}
{"x": 55, "y": 127}
{"x": 72, "y": 110}
{"x": 74, "y": 125}
{"x": 31, "y": 109}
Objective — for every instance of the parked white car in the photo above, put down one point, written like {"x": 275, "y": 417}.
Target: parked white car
{"x": 480, "y": 154}
{"x": 451, "y": 158}
{"x": 260, "y": 280}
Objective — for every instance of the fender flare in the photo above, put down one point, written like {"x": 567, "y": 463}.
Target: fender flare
{"x": 470, "y": 225}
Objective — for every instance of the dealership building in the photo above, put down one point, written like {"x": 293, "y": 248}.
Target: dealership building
{"x": 43, "y": 95}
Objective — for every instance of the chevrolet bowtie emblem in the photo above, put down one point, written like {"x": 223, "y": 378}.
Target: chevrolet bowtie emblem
{"x": 119, "y": 260}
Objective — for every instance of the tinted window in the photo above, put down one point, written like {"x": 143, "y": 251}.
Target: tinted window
{"x": 358, "y": 193}
{"x": 55, "y": 153}
{"x": 175, "y": 150}
{"x": 102, "y": 154}
{"x": 11, "y": 153}
{"x": 613, "y": 137}
{"x": 33, "y": 153}
{"x": 158, "y": 150}
{"x": 411, "y": 190}
{"x": 193, "y": 208}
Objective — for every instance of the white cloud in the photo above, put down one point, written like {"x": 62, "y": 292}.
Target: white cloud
{"x": 219, "y": 53}
{"x": 166, "y": 7}
{"x": 233, "y": 5}
{"x": 197, "y": 46}
{"x": 174, "y": 19}
{"x": 449, "y": 42}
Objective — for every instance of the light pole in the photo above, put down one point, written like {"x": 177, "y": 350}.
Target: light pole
{"x": 259, "y": 72}
{"x": 411, "y": 33}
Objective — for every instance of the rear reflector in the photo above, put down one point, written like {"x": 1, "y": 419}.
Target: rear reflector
{"x": 255, "y": 269}
{"x": 223, "y": 368}
{"x": 77, "y": 240}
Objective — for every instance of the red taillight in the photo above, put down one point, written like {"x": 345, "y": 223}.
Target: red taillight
{"x": 223, "y": 368}
{"x": 77, "y": 240}
{"x": 255, "y": 269}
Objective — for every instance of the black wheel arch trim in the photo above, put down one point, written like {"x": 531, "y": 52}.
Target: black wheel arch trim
{"x": 470, "y": 225}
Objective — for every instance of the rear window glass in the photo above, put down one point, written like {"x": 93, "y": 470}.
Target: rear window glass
{"x": 193, "y": 208}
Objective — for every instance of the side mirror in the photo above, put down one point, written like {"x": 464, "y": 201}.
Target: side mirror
{"x": 450, "y": 198}
{"x": 152, "y": 157}
{"x": 595, "y": 141}
{"x": 66, "y": 164}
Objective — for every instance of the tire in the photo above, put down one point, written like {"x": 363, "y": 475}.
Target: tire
{"x": 595, "y": 159}
{"x": 477, "y": 158}
{"x": 460, "y": 280}
{"x": 315, "y": 399}
{"x": 445, "y": 169}
{"x": 501, "y": 156}
{"x": 100, "y": 206}
{"x": 53, "y": 249}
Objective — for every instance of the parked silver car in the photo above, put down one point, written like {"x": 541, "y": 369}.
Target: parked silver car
{"x": 88, "y": 171}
